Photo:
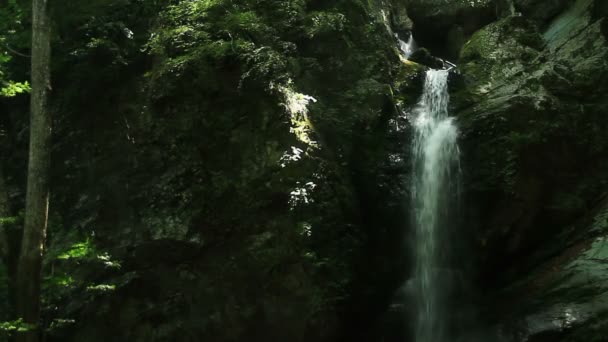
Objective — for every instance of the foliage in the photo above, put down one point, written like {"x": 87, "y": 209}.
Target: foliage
{"x": 78, "y": 251}
{"x": 15, "y": 326}
{"x": 11, "y": 17}
{"x": 11, "y": 220}
{"x": 202, "y": 36}
{"x": 325, "y": 23}
{"x": 101, "y": 288}
{"x": 11, "y": 88}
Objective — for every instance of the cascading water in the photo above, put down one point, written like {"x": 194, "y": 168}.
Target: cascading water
{"x": 435, "y": 158}
{"x": 407, "y": 48}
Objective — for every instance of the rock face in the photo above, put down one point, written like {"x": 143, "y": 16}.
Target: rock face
{"x": 534, "y": 184}
{"x": 566, "y": 297}
{"x": 541, "y": 11}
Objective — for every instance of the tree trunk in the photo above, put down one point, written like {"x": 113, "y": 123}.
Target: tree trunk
{"x": 8, "y": 248}
{"x": 37, "y": 196}
{"x": 4, "y": 212}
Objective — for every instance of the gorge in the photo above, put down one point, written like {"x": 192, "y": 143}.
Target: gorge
{"x": 307, "y": 170}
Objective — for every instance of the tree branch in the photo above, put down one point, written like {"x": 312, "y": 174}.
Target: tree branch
{"x": 15, "y": 52}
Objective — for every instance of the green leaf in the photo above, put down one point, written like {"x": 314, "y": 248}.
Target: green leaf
{"x": 17, "y": 325}
{"x": 10, "y": 88}
{"x": 79, "y": 250}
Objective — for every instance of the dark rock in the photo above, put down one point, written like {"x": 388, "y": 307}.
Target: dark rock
{"x": 566, "y": 297}
{"x": 399, "y": 20}
{"x": 456, "y": 38}
{"x": 599, "y": 9}
{"x": 424, "y": 57}
{"x": 533, "y": 184}
{"x": 541, "y": 10}
{"x": 433, "y": 20}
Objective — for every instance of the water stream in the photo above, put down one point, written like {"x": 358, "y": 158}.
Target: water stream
{"x": 407, "y": 48}
{"x": 436, "y": 174}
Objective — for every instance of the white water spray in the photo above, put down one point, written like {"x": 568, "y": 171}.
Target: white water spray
{"x": 407, "y": 48}
{"x": 436, "y": 156}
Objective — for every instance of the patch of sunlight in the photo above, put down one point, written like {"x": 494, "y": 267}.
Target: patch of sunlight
{"x": 569, "y": 317}
{"x": 78, "y": 251}
{"x": 62, "y": 280}
{"x": 568, "y": 23}
{"x": 297, "y": 107}
{"x": 589, "y": 268}
{"x": 598, "y": 250}
{"x": 294, "y": 156}
{"x": 600, "y": 222}
{"x": 8, "y": 220}
{"x": 127, "y": 32}
{"x": 485, "y": 88}
{"x": 306, "y": 229}
{"x": 59, "y": 323}
{"x": 101, "y": 288}
{"x": 301, "y": 194}
{"x": 10, "y": 89}
{"x": 107, "y": 260}
{"x": 386, "y": 21}
{"x": 16, "y": 326}
{"x": 395, "y": 158}
{"x": 204, "y": 4}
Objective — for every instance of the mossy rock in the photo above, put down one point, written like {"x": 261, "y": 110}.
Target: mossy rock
{"x": 424, "y": 57}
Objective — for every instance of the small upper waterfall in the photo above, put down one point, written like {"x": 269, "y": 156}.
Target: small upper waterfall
{"x": 407, "y": 48}
{"x": 436, "y": 173}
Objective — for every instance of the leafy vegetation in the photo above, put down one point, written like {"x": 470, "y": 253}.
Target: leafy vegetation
{"x": 13, "y": 326}
{"x": 11, "y": 17}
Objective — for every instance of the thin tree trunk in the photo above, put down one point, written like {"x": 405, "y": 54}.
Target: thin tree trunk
{"x": 7, "y": 249}
{"x": 4, "y": 212}
{"x": 37, "y": 196}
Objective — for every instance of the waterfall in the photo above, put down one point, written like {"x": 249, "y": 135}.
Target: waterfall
{"x": 436, "y": 173}
{"x": 407, "y": 48}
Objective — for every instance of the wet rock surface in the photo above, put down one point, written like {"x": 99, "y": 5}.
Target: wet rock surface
{"x": 533, "y": 183}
